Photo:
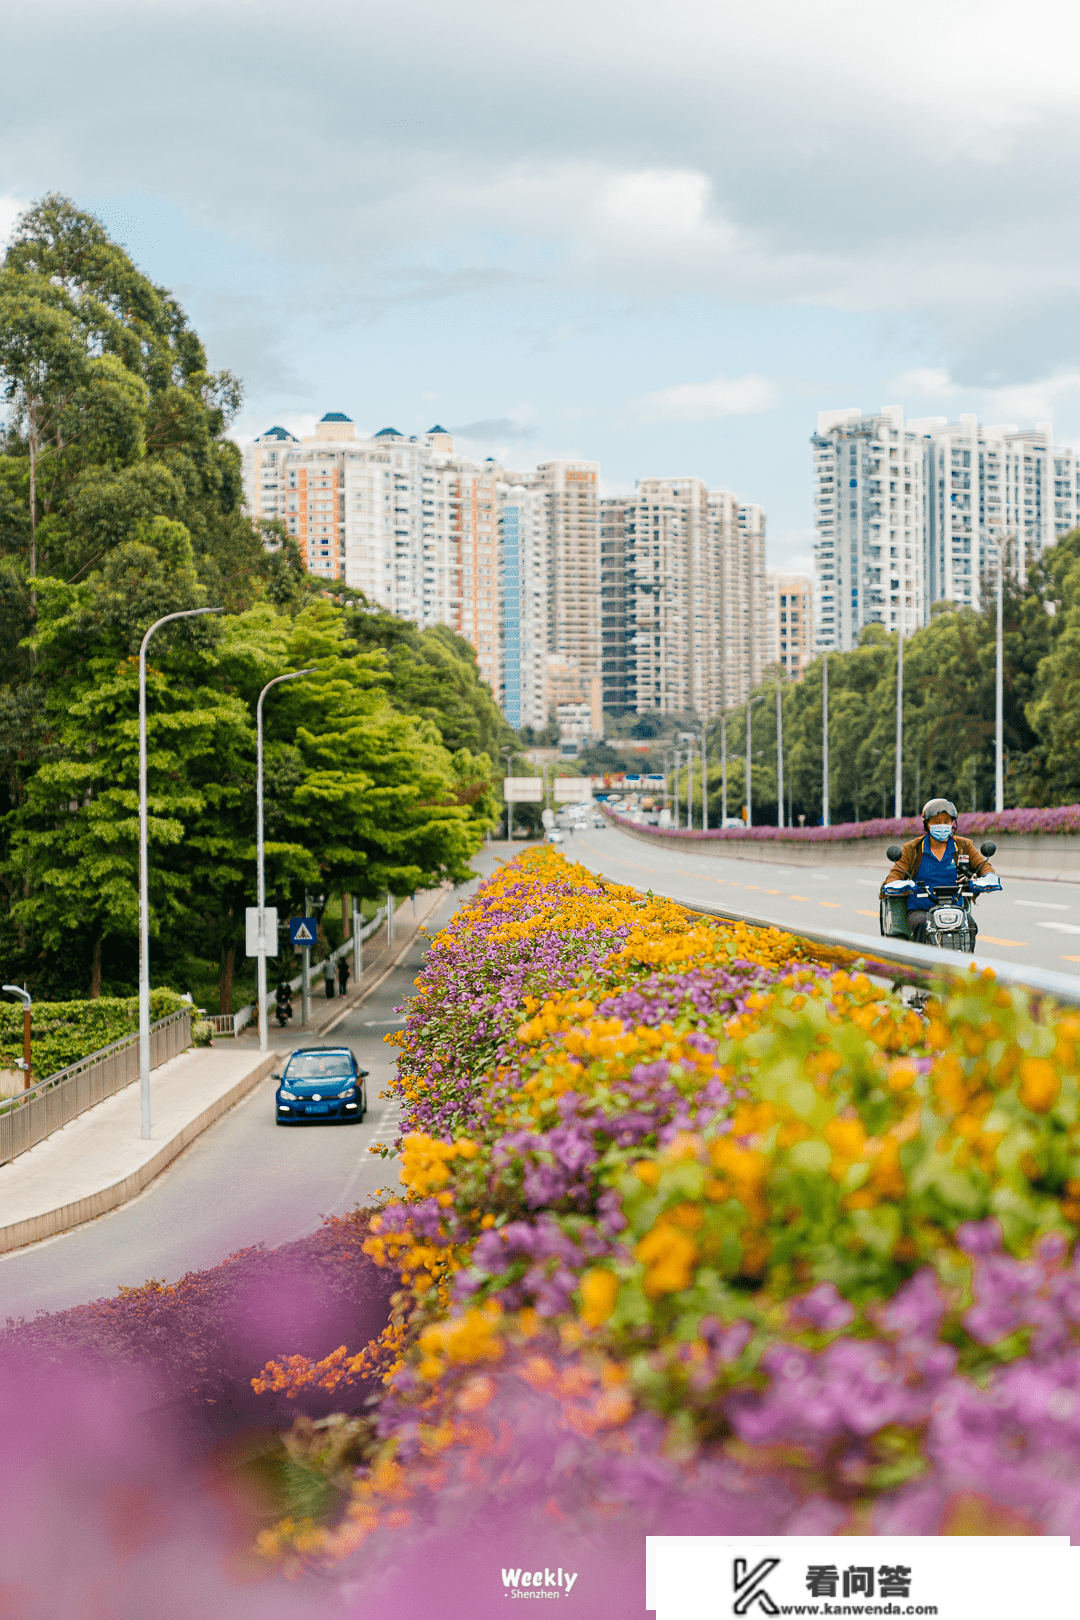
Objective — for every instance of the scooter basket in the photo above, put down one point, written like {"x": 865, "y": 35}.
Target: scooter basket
{"x": 894, "y": 923}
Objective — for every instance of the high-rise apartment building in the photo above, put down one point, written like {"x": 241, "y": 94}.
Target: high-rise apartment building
{"x": 789, "y": 621}
{"x": 683, "y": 592}
{"x": 907, "y": 514}
{"x": 525, "y": 651}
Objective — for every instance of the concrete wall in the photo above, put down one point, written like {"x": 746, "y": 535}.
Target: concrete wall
{"x": 1054, "y": 857}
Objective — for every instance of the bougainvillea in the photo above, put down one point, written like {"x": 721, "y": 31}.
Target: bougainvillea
{"x": 697, "y": 1231}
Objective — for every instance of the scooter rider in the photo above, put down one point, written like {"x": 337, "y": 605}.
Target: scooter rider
{"x": 931, "y": 860}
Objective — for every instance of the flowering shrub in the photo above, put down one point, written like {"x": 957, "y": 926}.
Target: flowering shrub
{"x": 972, "y": 824}
{"x": 700, "y": 1231}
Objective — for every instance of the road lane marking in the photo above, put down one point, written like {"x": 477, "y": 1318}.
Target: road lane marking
{"x": 1047, "y": 905}
{"x": 834, "y": 905}
{"x": 805, "y": 897}
{"x": 774, "y": 891}
{"x": 863, "y": 913}
{"x": 1061, "y": 928}
{"x": 992, "y": 939}
{"x": 1070, "y": 958}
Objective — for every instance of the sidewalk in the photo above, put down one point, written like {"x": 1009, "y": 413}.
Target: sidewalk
{"x": 100, "y": 1160}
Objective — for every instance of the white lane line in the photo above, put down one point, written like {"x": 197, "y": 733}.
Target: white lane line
{"x": 1061, "y": 928}
{"x": 1046, "y": 905}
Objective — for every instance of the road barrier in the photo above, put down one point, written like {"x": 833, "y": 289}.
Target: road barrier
{"x": 891, "y": 959}
{"x": 50, "y": 1104}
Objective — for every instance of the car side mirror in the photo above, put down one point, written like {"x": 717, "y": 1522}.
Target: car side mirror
{"x": 275, "y": 1074}
{"x": 988, "y": 849}
{"x": 894, "y": 852}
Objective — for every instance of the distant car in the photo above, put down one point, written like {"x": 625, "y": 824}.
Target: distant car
{"x": 555, "y": 836}
{"x": 320, "y": 1083}
{"x": 599, "y": 821}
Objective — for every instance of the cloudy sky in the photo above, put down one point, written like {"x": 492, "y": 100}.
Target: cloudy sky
{"x": 663, "y": 236}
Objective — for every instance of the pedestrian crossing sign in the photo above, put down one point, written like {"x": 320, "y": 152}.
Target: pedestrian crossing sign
{"x": 303, "y": 930}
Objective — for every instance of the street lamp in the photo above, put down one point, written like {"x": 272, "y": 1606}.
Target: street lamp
{"x": 898, "y": 799}
{"x": 27, "y": 1001}
{"x": 999, "y": 684}
{"x": 779, "y": 756}
{"x": 509, "y": 754}
{"x": 690, "y": 739}
{"x": 260, "y": 845}
{"x": 144, "y": 875}
{"x": 824, "y": 738}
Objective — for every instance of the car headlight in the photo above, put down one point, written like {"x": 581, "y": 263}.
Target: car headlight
{"x": 286, "y": 1095}
{"x": 350, "y": 1091}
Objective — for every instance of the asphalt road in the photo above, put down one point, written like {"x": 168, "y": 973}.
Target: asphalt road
{"x": 242, "y": 1182}
{"x": 1030, "y": 923}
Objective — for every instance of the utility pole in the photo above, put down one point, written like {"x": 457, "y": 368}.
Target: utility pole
{"x": 704, "y": 780}
{"x": 824, "y": 739}
{"x": 508, "y": 754}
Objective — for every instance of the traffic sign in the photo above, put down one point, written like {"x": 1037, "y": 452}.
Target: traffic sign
{"x": 523, "y": 789}
{"x": 261, "y": 927}
{"x": 303, "y": 930}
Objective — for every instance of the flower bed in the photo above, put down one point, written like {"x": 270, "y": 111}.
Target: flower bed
{"x": 699, "y": 1235}
{"x": 972, "y": 824}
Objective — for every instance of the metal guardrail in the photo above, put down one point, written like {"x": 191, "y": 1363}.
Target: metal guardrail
{"x": 910, "y": 964}
{"x": 29, "y": 1117}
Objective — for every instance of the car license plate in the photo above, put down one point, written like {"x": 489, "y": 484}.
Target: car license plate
{"x": 318, "y": 1108}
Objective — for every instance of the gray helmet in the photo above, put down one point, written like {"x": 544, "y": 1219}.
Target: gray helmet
{"x": 937, "y": 807}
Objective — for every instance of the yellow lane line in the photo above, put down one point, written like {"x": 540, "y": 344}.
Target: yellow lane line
{"x": 774, "y": 891}
{"x": 833, "y": 905}
{"x": 805, "y": 897}
{"x": 1070, "y": 958}
{"x": 863, "y": 913}
{"x": 992, "y": 939}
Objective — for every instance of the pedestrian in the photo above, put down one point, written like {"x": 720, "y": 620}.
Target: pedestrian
{"x": 342, "y": 975}
{"x": 328, "y": 978}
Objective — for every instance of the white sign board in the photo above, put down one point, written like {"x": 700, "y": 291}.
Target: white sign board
{"x": 572, "y": 790}
{"x": 261, "y": 930}
{"x": 712, "y": 1577}
{"x": 523, "y": 789}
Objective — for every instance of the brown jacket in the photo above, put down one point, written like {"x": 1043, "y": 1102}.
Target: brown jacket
{"x": 911, "y": 858}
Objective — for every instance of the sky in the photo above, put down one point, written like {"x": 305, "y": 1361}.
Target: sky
{"x": 658, "y": 236}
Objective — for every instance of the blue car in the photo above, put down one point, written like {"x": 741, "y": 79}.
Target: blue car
{"x": 320, "y": 1083}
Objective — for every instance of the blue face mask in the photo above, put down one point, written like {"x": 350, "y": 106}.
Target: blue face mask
{"x": 941, "y": 834}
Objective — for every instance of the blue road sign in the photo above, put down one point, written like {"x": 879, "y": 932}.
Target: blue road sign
{"x": 303, "y": 930}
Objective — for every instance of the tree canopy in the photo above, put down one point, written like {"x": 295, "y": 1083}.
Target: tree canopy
{"x": 120, "y": 502}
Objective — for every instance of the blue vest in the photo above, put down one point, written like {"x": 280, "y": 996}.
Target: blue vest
{"x": 933, "y": 872}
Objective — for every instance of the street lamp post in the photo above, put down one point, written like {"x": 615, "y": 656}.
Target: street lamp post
{"x": 898, "y": 798}
{"x": 509, "y": 754}
{"x": 999, "y": 686}
{"x": 260, "y": 845}
{"x": 749, "y": 786}
{"x": 779, "y": 756}
{"x": 690, "y": 739}
{"x": 27, "y": 1001}
{"x": 704, "y": 780}
{"x": 723, "y": 769}
{"x": 144, "y": 874}
{"x": 824, "y": 739}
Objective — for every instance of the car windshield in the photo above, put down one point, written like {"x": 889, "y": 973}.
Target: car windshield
{"x": 319, "y": 1066}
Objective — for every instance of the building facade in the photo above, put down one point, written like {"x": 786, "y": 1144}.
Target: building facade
{"x": 650, "y": 602}
{"x": 910, "y": 513}
{"x": 789, "y": 621}
{"x": 683, "y": 598}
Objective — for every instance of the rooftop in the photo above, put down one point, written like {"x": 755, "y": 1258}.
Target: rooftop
{"x": 336, "y": 416}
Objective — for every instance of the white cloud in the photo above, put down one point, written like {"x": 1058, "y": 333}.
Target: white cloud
{"x": 709, "y": 401}
{"x": 10, "y": 209}
{"x": 923, "y": 382}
